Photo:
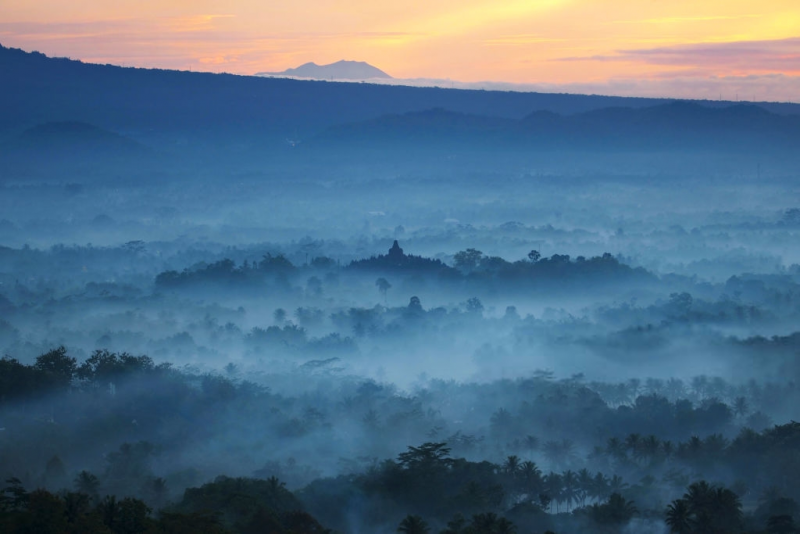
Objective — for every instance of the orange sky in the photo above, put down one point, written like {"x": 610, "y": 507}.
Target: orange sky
{"x": 665, "y": 47}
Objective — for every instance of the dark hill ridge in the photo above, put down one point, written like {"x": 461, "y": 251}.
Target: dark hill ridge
{"x": 68, "y": 145}
{"x": 38, "y": 89}
{"x": 73, "y": 135}
{"x": 683, "y": 125}
{"x": 677, "y": 124}
{"x": 341, "y": 70}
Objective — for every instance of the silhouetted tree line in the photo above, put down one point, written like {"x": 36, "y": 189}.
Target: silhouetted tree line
{"x": 472, "y": 267}
{"x": 226, "y": 273}
{"x": 224, "y": 506}
{"x": 452, "y": 495}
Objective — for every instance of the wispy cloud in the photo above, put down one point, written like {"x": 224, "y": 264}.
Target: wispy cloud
{"x": 682, "y": 20}
{"x": 781, "y": 55}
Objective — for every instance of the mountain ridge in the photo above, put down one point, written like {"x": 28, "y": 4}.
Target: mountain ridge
{"x": 67, "y": 146}
{"x": 195, "y": 104}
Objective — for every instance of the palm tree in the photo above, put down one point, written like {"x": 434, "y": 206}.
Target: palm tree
{"x": 740, "y": 407}
{"x": 616, "y": 484}
{"x": 648, "y": 449}
{"x": 698, "y": 494}
{"x": 632, "y": 443}
{"x": 727, "y": 509}
{"x": 705, "y": 508}
{"x": 552, "y": 485}
{"x": 585, "y": 483}
{"x": 600, "y": 489}
{"x": 678, "y": 517}
{"x": 530, "y": 474}
{"x": 698, "y": 497}
{"x": 511, "y": 465}
{"x": 413, "y": 524}
{"x": 529, "y": 479}
{"x": 569, "y": 492}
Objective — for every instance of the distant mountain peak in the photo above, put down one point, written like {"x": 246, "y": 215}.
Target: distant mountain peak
{"x": 341, "y": 70}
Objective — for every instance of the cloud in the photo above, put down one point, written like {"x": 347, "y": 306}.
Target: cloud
{"x": 681, "y": 20}
{"x": 781, "y": 55}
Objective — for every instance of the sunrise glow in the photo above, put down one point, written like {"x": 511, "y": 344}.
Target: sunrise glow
{"x": 675, "y": 46}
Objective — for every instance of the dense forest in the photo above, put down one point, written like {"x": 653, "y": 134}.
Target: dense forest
{"x": 520, "y": 457}
{"x": 310, "y": 441}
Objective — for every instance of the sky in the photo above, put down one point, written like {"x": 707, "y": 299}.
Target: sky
{"x": 728, "y": 49}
